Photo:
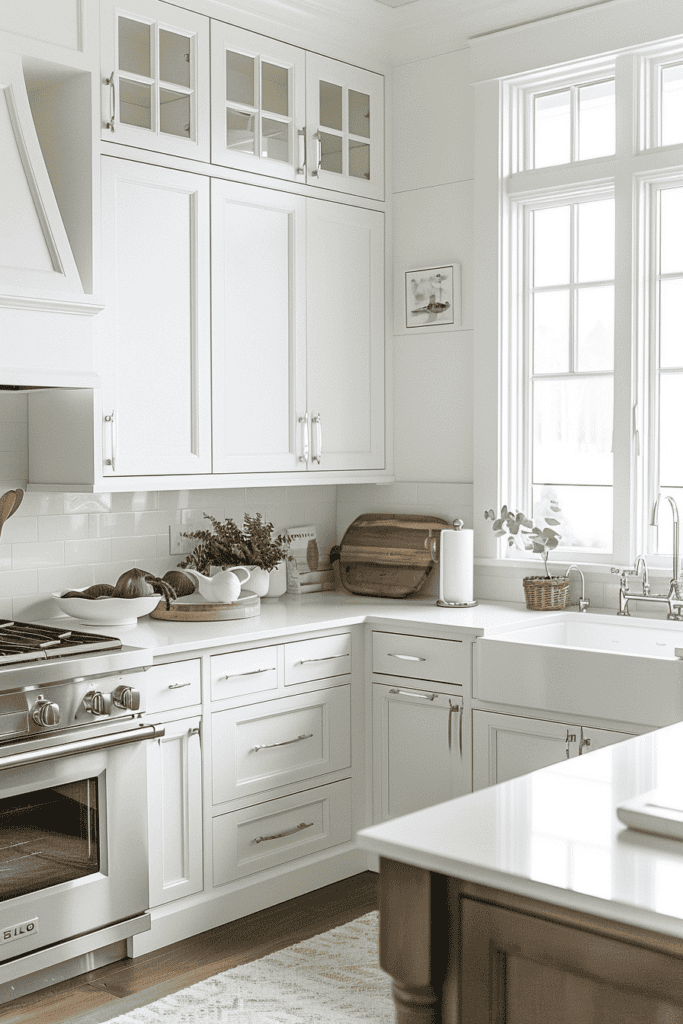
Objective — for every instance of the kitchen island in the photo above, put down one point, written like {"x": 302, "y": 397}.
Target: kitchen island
{"x": 531, "y": 902}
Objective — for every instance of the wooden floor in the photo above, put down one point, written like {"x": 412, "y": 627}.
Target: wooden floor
{"x": 117, "y": 988}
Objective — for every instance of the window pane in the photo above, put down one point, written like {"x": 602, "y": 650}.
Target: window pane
{"x": 551, "y": 246}
{"x": 670, "y": 447}
{"x": 359, "y": 113}
{"x": 572, "y": 431}
{"x": 551, "y": 332}
{"x": 274, "y": 139}
{"x": 136, "y": 104}
{"x": 671, "y": 230}
{"x": 585, "y": 514}
{"x": 239, "y": 78}
{"x": 275, "y": 89}
{"x": 596, "y": 241}
{"x": 359, "y": 159}
{"x": 331, "y": 105}
{"x": 552, "y": 129}
{"x": 174, "y": 113}
{"x": 174, "y": 51}
{"x": 595, "y": 333}
{"x": 239, "y": 132}
{"x": 672, "y": 105}
{"x": 596, "y": 120}
{"x": 671, "y": 323}
{"x": 134, "y": 47}
{"x": 331, "y": 150}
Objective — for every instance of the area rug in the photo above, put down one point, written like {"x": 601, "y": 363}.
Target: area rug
{"x": 333, "y": 978}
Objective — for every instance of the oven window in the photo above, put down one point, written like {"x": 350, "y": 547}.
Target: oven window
{"x": 47, "y": 837}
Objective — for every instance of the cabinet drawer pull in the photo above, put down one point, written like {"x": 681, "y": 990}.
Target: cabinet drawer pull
{"x": 406, "y": 657}
{"x": 282, "y": 743}
{"x": 414, "y": 693}
{"x": 280, "y": 835}
{"x": 178, "y": 686}
{"x": 453, "y": 708}
{"x": 253, "y": 672}
{"x": 111, "y": 82}
{"x": 571, "y": 738}
{"x": 330, "y": 657}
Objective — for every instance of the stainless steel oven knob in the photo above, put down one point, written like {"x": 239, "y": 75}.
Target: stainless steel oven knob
{"x": 45, "y": 712}
{"x": 95, "y": 703}
{"x": 127, "y": 698}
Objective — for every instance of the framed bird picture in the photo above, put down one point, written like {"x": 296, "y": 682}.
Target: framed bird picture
{"x": 433, "y": 296}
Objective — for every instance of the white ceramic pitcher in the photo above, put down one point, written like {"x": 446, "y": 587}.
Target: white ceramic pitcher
{"x": 224, "y": 587}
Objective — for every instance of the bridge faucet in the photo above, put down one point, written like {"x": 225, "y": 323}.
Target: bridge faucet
{"x": 654, "y": 522}
{"x": 584, "y": 601}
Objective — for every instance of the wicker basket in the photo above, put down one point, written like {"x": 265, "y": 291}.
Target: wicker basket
{"x": 546, "y": 593}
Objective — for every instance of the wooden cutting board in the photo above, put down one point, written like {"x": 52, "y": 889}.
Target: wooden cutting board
{"x": 388, "y": 554}
{"x": 195, "y": 608}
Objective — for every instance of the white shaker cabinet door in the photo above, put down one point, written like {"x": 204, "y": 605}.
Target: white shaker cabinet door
{"x": 345, "y": 336}
{"x": 506, "y": 746}
{"x": 156, "y": 341}
{"x": 258, "y": 100}
{"x": 259, "y": 330}
{"x": 345, "y": 127}
{"x": 155, "y": 75}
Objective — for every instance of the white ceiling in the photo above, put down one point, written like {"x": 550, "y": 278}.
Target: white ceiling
{"x": 390, "y": 34}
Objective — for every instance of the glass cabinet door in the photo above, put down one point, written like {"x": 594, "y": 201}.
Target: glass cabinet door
{"x": 156, "y": 78}
{"x": 258, "y": 100}
{"x": 345, "y": 124}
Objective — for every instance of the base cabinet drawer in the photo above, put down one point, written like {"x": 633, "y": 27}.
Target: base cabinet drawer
{"x": 421, "y": 657}
{"x": 243, "y": 672}
{"x": 280, "y": 741}
{"x": 322, "y": 657}
{"x": 176, "y": 685}
{"x": 277, "y": 831}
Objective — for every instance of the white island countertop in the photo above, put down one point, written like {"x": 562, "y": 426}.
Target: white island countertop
{"x": 554, "y": 835}
{"x": 290, "y": 614}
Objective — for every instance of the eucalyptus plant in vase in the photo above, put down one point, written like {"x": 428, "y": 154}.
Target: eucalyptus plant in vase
{"x": 226, "y": 545}
{"x": 542, "y": 593}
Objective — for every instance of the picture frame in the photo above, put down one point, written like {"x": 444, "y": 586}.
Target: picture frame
{"x": 432, "y": 297}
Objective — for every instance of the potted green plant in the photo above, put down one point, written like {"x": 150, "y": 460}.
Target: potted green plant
{"x": 226, "y": 545}
{"x": 542, "y": 593}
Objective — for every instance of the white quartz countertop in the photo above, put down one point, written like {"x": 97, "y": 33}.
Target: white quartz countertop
{"x": 554, "y": 835}
{"x": 292, "y": 614}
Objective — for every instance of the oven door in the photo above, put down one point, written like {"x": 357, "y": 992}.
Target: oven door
{"x": 73, "y": 837}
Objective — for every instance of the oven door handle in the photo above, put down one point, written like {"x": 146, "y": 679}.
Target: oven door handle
{"x": 117, "y": 739}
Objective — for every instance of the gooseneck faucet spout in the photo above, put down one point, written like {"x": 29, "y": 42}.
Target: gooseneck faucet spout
{"x": 654, "y": 521}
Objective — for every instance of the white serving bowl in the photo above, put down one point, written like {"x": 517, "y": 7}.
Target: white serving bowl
{"x": 107, "y": 611}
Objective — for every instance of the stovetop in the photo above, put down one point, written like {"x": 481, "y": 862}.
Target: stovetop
{"x": 26, "y": 641}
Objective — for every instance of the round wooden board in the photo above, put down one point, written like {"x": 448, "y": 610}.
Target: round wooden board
{"x": 195, "y": 608}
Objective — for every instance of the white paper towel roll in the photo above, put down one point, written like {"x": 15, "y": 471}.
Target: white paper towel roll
{"x": 456, "y": 570}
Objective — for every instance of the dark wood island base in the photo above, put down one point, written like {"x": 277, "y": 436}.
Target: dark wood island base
{"x": 463, "y": 953}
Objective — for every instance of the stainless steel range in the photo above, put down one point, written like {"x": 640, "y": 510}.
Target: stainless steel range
{"x": 73, "y": 801}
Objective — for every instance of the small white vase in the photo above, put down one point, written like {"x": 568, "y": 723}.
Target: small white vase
{"x": 259, "y": 581}
{"x": 277, "y": 583}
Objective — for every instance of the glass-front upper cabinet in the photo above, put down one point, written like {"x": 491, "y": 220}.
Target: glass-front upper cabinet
{"x": 258, "y": 103}
{"x": 155, "y": 71}
{"x": 345, "y": 126}
{"x": 287, "y": 113}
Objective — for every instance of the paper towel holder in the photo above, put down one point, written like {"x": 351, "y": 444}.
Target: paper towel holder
{"x": 457, "y": 525}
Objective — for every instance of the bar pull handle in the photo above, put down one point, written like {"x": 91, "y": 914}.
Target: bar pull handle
{"x": 571, "y": 738}
{"x": 318, "y": 154}
{"x": 319, "y": 435}
{"x": 330, "y": 657}
{"x": 113, "y": 435}
{"x": 253, "y": 672}
{"x": 303, "y": 420}
{"x": 282, "y": 743}
{"x": 111, "y": 82}
{"x": 178, "y": 686}
{"x": 406, "y": 657}
{"x": 414, "y": 693}
{"x": 280, "y": 835}
{"x": 452, "y": 709}
{"x": 301, "y": 169}
{"x": 29, "y": 757}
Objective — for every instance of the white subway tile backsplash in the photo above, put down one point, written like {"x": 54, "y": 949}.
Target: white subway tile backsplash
{"x": 37, "y": 555}
{"x": 5, "y": 557}
{"x": 38, "y": 606}
{"x": 134, "y": 501}
{"x": 66, "y": 577}
{"x": 137, "y": 549}
{"x": 20, "y": 530}
{"x": 17, "y": 583}
{"x": 6, "y": 610}
{"x": 72, "y": 527}
{"x": 83, "y": 552}
{"x": 42, "y": 503}
{"x": 75, "y": 503}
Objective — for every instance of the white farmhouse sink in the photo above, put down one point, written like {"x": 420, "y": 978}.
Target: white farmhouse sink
{"x": 621, "y": 669}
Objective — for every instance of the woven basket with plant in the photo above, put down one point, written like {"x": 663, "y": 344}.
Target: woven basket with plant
{"x": 542, "y": 593}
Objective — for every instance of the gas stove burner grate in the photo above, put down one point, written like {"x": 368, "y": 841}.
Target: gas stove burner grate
{"x": 25, "y": 641}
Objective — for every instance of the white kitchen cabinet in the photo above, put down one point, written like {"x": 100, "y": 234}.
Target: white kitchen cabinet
{"x": 506, "y": 746}
{"x": 156, "y": 81}
{"x": 175, "y": 812}
{"x": 420, "y": 748}
{"x": 298, "y": 333}
{"x": 282, "y": 111}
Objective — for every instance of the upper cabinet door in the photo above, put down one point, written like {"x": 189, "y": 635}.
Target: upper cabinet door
{"x": 258, "y": 102}
{"x": 155, "y": 71}
{"x": 259, "y": 324}
{"x": 156, "y": 323}
{"x": 345, "y": 127}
